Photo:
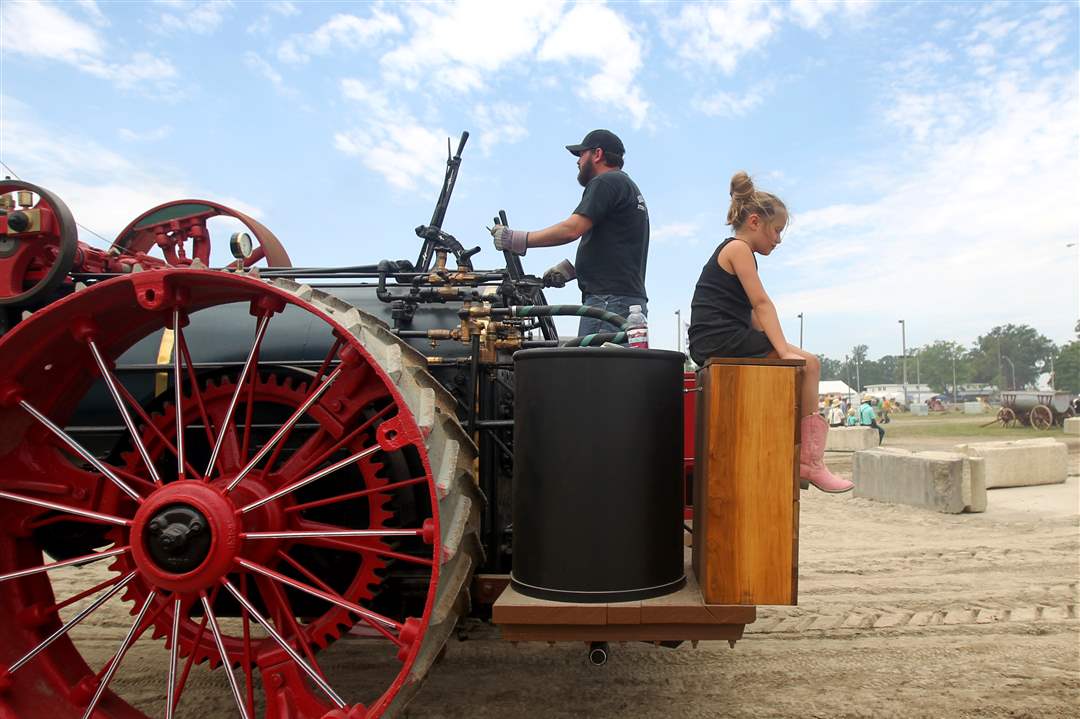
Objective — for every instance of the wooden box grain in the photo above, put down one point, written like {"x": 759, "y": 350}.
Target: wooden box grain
{"x": 746, "y": 481}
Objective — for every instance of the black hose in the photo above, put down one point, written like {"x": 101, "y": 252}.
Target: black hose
{"x": 595, "y": 340}
{"x": 567, "y": 310}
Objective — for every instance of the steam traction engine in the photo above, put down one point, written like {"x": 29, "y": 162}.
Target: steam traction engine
{"x": 252, "y": 466}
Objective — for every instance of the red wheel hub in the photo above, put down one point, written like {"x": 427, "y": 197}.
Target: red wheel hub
{"x": 249, "y": 495}
{"x": 185, "y": 537}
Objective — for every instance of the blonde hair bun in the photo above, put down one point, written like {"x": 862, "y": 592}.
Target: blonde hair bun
{"x": 747, "y": 200}
{"x": 742, "y": 187}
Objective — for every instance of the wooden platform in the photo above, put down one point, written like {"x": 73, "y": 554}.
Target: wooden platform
{"x": 681, "y": 615}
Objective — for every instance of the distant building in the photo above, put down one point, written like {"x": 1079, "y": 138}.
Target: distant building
{"x": 916, "y": 393}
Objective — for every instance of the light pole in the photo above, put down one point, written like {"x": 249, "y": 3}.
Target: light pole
{"x": 918, "y": 375}
{"x": 954, "y": 377}
{"x": 800, "y": 329}
{"x": 847, "y": 367}
{"x": 903, "y": 347}
{"x": 678, "y": 330}
{"x": 858, "y": 381}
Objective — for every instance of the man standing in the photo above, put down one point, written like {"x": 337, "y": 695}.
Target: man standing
{"x": 613, "y": 224}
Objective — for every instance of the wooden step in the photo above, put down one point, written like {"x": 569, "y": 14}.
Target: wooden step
{"x": 682, "y": 615}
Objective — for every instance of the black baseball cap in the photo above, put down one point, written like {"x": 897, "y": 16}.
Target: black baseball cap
{"x": 605, "y": 140}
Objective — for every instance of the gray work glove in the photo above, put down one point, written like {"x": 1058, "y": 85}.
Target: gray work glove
{"x": 560, "y": 274}
{"x": 516, "y": 241}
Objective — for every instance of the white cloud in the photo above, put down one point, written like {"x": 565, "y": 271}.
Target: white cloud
{"x": 720, "y": 35}
{"x": 285, "y": 8}
{"x": 45, "y": 32}
{"x": 729, "y": 104}
{"x": 90, "y": 7}
{"x": 499, "y": 123}
{"x": 458, "y": 44}
{"x": 345, "y": 31}
{"x": 987, "y": 207}
{"x": 811, "y": 14}
{"x": 201, "y": 18}
{"x": 105, "y": 189}
{"x": 151, "y": 135}
{"x": 688, "y": 233}
{"x": 260, "y": 66}
{"x": 390, "y": 141}
{"x": 616, "y": 50}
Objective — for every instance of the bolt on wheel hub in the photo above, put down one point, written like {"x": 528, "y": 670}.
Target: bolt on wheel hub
{"x": 185, "y": 536}
{"x": 178, "y": 538}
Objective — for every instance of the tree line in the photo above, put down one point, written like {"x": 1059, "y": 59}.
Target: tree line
{"x": 1007, "y": 357}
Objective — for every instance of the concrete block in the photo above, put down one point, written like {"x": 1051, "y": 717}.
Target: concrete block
{"x": 974, "y": 408}
{"x": 1072, "y": 425}
{"x": 851, "y": 439}
{"x": 943, "y": 481}
{"x": 1021, "y": 462}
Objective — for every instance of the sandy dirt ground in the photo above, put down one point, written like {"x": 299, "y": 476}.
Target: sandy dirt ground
{"x": 903, "y": 612}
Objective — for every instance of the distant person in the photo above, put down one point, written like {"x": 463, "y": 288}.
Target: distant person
{"x": 613, "y": 224}
{"x": 868, "y": 417}
{"x": 732, "y": 315}
{"x": 886, "y": 407}
{"x": 836, "y": 417}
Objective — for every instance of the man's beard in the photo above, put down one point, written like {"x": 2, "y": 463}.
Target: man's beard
{"x": 586, "y": 173}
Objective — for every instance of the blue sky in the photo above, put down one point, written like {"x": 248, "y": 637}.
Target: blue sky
{"x": 929, "y": 152}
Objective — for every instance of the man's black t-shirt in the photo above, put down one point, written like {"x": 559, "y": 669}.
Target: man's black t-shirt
{"x": 612, "y": 255}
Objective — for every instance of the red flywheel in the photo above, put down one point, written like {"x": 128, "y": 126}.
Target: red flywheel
{"x": 254, "y": 511}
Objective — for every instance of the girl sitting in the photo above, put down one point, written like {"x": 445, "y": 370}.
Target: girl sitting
{"x": 732, "y": 316}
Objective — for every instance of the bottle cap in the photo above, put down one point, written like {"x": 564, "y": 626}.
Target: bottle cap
{"x": 635, "y": 308}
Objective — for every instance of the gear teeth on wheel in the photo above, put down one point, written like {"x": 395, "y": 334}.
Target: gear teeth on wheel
{"x": 452, "y": 459}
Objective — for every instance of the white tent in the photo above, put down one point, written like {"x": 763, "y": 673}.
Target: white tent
{"x": 831, "y": 387}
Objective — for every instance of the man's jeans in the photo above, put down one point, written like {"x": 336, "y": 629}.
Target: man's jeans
{"x": 619, "y": 304}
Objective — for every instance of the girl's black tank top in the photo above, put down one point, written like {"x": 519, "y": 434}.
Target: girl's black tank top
{"x": 720, "y": 311}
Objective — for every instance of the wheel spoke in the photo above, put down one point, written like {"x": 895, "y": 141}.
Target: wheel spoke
{"x": 119, "y": 656}
{"x": 225, "y": 664}
{"x": 182, "y": 347}
{"x": 312, "y": 674}
{"x": 312, "y": 478}
{"x": 342, "y": 442}
{"x": 71, "y": 623}
{"x": 374, "y": 618}
{"x": 179, "y": 395}
{"x": 355, "y": 495}
{"x": 284, "y": 616}
{"x": 334, "y": 348}
{"x": 153, "y": 427}
{"x": 260, "y": 332}
{"x": 85, "y": 513}
{"x": 111, "y": 384}
{"x": 80, "y": 450}
{"x": 174, "y": 652}
{"x": 301, "y": 410}
{"x": 334, "y": 533}
{"x": 190, "y": 662}
{"x": 329, "y": 538}
{"x": 85, "y": 559}
{"x": 249, "y": 679}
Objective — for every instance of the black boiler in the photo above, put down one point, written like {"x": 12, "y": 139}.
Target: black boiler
{"x": 597, "y": 474}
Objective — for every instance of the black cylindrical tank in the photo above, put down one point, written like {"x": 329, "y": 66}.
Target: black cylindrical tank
{"x": 597, "y": 465}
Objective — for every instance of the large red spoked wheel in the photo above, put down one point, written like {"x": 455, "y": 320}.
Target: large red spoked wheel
{"x": 255, "y": 517}
{"x": 170, "y": 226}
{"x": 38, "y": 242}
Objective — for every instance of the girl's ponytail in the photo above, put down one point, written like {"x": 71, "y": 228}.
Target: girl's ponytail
{"x": 746, "y": 201}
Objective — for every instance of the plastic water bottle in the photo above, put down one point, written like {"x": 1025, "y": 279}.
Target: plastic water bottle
{"x": 637, "y": 334}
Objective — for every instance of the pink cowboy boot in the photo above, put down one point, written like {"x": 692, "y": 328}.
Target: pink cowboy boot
{"x": 812, "y": 457}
